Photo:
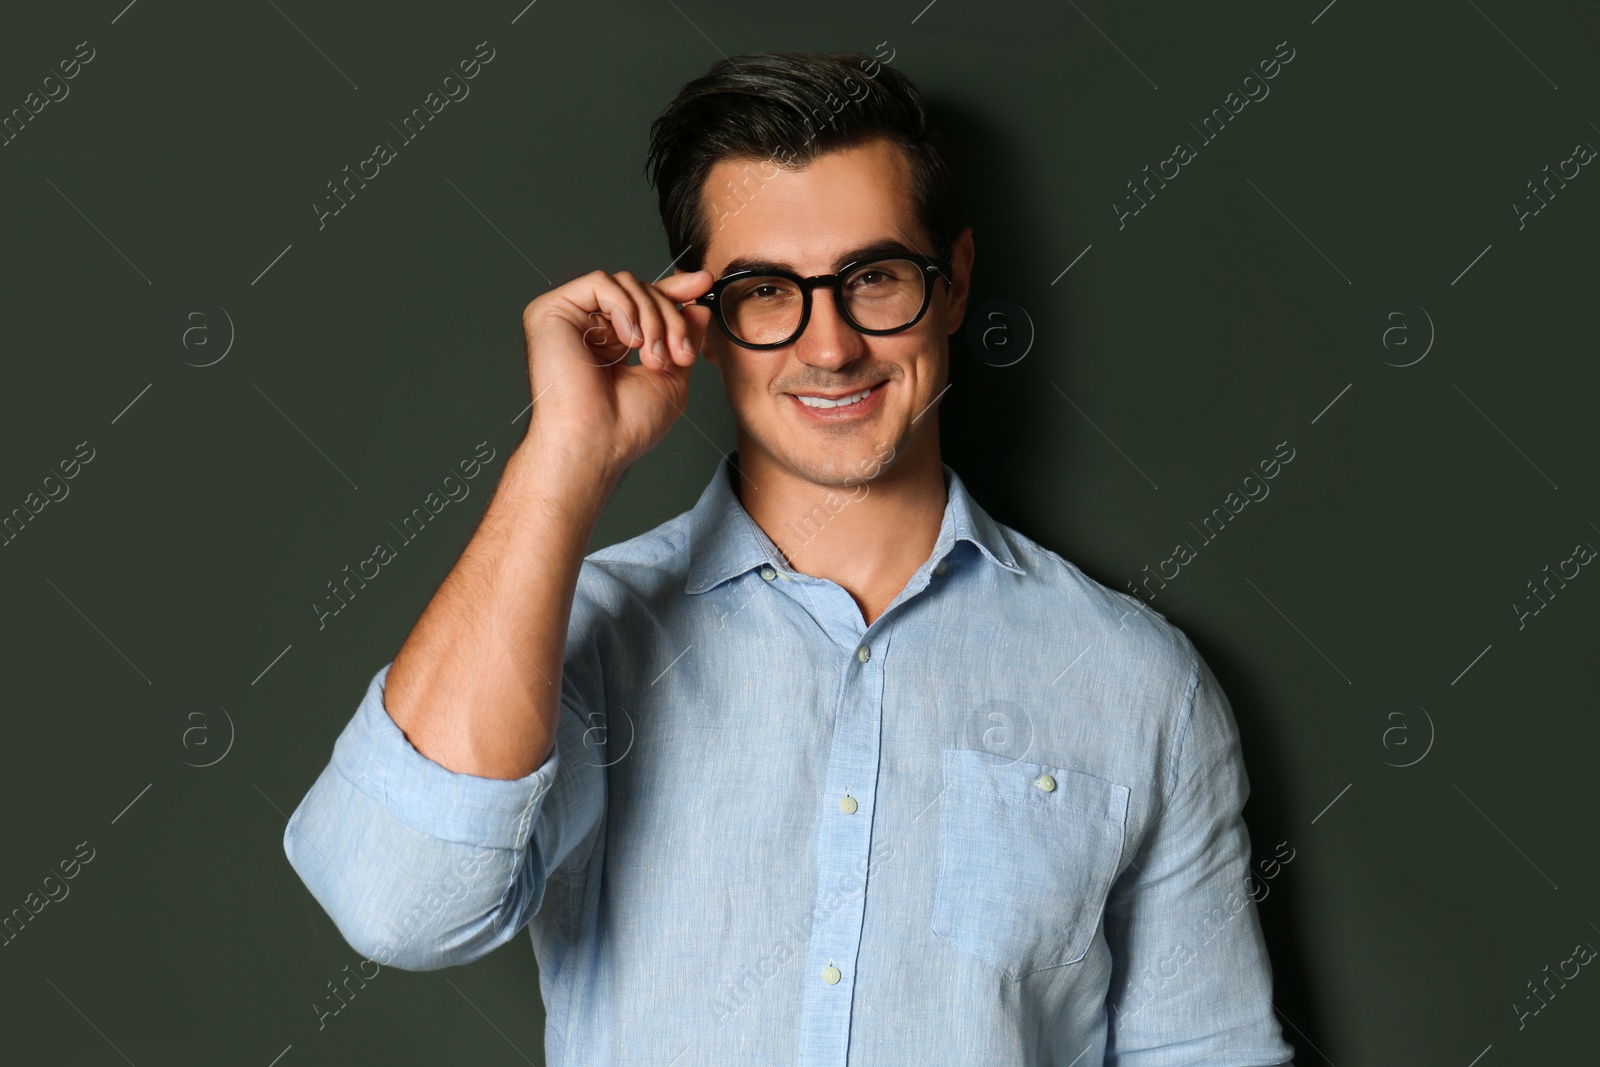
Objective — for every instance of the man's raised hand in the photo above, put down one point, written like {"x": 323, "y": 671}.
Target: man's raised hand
{"x": 590, "y": 404}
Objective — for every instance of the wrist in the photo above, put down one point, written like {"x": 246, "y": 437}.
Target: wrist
{"x": 576, "y": 478}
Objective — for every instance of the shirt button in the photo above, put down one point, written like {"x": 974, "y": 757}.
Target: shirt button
{"x": 830, "y": 974}
{"x": 863, "y": 653}
{"x": 940, "y": 567}
{"x": 1045, "y": 782}
{"x": 768, "y": 573}
{"x": 848, "y": 804}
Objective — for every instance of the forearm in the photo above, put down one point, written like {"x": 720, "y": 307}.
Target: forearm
{"x": 476, "y": 687}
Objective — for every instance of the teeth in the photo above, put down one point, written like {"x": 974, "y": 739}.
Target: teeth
{"x": 823, "y": 402}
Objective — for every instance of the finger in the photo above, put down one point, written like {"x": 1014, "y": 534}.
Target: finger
{"x": 617, "y": 309}
{"x": 601, "y": 339}
{"x": 697, "y": 320}
{"x": 618, "y": 305}
{"x": 686, "y": 322}
{"x": 670, "y": 382}
{"x": 652, "y": 337}
{"x": 681, "y": 346}
{"x": 684, "y": 288}
{"x": 613, "y": 330}
{"x": 679, "y": 341}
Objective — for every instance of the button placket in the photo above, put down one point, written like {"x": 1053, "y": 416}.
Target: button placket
{"x": 844, "y": 848}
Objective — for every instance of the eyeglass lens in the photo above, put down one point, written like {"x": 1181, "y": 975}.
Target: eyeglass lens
{"x": 766, "y": 309}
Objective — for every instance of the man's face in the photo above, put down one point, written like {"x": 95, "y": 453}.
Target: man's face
{"x": 812, "y": 221}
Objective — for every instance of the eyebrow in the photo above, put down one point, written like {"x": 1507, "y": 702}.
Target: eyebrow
{"x": 875, "y": 250}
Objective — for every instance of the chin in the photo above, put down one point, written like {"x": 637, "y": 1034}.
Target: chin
{"x": 841, "y": 465}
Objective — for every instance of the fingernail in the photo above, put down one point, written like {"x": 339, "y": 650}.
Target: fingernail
{"x": 659, "y": 350}
{"x": 687, "y": 346}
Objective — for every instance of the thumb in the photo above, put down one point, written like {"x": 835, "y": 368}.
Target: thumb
{"x": 683, "y": 286}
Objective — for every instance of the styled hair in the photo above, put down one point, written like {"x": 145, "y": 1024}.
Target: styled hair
{"x": 786, "y": 109}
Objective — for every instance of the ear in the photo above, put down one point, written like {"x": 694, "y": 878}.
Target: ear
{"x": 961, "y": 256}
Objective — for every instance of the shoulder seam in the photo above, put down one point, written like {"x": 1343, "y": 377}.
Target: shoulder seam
{"x": 1187, "y": 717}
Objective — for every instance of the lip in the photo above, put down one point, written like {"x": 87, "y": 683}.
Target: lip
{"x": 861, "y": 409}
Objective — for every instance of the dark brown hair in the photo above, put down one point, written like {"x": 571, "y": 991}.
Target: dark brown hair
{"x": 790, "y": 107}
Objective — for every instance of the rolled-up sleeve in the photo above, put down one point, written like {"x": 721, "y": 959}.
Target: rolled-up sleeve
{"x": 1191, "y": 982}
{"x": 421, "y": 867}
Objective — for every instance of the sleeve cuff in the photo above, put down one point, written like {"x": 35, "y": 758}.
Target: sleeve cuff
{"x": 372, "y": 753}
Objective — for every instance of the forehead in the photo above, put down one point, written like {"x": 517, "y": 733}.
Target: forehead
{"x": 810, "y": 217}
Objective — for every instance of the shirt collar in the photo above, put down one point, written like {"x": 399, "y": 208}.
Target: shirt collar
{"x": 724, "y": 541}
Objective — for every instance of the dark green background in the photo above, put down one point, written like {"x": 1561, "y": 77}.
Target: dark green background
{"x": 1190, "y": 343}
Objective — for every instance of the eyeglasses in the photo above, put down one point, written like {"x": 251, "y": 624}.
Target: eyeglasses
{"x": 770, "y": 308}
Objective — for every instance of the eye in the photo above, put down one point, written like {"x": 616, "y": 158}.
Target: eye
{"x": 762, "y": 290}
{"x": 881, "y": 276}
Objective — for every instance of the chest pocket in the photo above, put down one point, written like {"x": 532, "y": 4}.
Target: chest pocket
{"x": 1023, "y": 869}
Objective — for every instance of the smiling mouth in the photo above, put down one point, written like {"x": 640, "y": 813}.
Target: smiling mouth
{"x": 835, "y": 402}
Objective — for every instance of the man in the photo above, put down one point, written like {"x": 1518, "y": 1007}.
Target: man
{"x": 832, "y": 768}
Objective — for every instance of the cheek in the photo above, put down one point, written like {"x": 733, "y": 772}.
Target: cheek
{"x": 743, "y": 380}
{"x": 927, "y": 360}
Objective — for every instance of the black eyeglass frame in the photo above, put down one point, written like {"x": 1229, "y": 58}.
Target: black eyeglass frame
{"x": 935, "y": 265}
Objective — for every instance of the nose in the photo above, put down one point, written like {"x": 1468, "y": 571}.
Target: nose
{"x": 828, "y": 341}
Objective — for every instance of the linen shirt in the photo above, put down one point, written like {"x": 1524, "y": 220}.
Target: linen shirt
{"x": 1000, "y": 825}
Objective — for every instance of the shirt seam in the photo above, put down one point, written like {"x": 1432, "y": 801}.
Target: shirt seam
{"x": 1185, "y": 729}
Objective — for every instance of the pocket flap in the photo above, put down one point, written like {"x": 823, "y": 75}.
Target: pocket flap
{"x": 1027, "y": 855}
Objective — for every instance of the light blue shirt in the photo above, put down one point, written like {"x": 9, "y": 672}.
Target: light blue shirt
{"x": 1001, "y": 825}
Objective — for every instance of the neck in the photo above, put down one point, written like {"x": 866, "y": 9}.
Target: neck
{"x": 868, "y": 537}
